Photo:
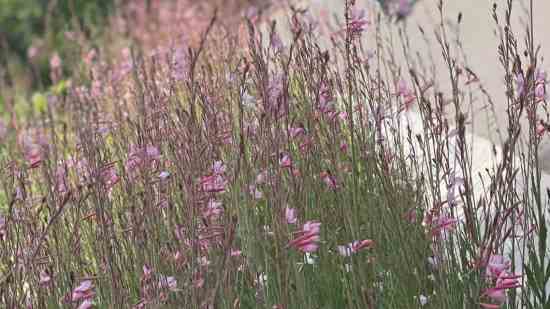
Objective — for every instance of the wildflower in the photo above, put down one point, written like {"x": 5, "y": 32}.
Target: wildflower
{"x": 329, "y": 180}
{"x": 404, "y": 8}
{"x": 355, "y": 247}
{"x": 275, "y": 91}
{"x": 276, "y": 43}
{"x": 83, "y": 291}
{"x": 140, "y": 158}
{"x": 55, "y": 62}
{"x": 164, "y": 175}
{"x": 542, "y": 128}
{"x": 520, "y": 84}
{"x": 297, "y": 131}
{"x": 344, "y": 147}
{"x": 357, "y": 22}
{"x": 504, "y": 281}
{"x": 168, "y": 283}
{"x": 442, "y": 224}
{"x": 213, "y": 183}
{"x": 406, "y": 93}
{"x": 308, "y": 239}
{"x": 235, "y": 253}
{"x": 496, "y": 265}
{"x": 285, "y": 161}
{"x": 540, "y": 86}
{"x": 34, "y": 157}
{"x": 45, "y": 278}
{"x": 218, "y": 168}
{"x": 423, "y": 300}
{"x": 290, "y": 215}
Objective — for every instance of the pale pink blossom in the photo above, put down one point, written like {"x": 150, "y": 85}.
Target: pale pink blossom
{"x": 496, "y": 265}
{"x": 285, "y": 161}
{"x": 83, "y": 291}
{"x": 290, "y": 215}
{"x": 169, "y": 283}
{"x": 406, "y": 93}
{"x": 329, "y": 180}
{"x": 355, "y": 247}
{"x": 45, "y": 278}
{"x": 308, "y": 239}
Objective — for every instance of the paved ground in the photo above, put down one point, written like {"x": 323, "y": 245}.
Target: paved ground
{"x": 480, "y": 44}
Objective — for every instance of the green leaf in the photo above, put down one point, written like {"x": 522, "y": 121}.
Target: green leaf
{"x": 39, "y": 102}
{"x": 60, "y": 87}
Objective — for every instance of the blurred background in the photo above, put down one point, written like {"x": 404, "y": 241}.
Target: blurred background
{"x": 36, "y": 34}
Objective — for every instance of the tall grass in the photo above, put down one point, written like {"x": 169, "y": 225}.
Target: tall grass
{"x": 276, "y": 174}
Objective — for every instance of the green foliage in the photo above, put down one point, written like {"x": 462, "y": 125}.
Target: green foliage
{"x": 22, "y": 23}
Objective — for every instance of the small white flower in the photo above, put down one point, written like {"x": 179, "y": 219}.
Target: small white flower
{"x": 423, "y": 300}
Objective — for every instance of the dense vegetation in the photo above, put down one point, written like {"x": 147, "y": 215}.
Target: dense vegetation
{"x": 237, "y": 169}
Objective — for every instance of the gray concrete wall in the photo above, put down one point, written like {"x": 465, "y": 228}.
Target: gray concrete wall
{"x": 480, "y": 43}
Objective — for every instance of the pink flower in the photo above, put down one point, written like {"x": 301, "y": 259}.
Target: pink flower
{"x": 404, "y": 8}
{"x": 285, "y": 161}
{"x": 168, "y": 283}
{"x": 290, "y": 215}
{"x": 357, "y": 23}
{"x": 295, "y": 132}
{"x": 442, "y": 224}
{"x": 34, "y": 157}
{"x": 496, "y": 265}
{"x": 329, "y": 180}
{"x": 498, "y": 293}
{"x": 344, "y": 147}
{"x": 164, "y": 175}
{"x": 55, "y": 62}
{"x": 520, "y": 84}
{"x": 140, "y": 158}
{"x": 355, "y": 246}
{"x": 83, "y": 291}
{"x": 308, "y": 239}
{"x": 218, "y": 168}
{"x": 213, "y": 183}
{"x": 45, "y": 278}
{"x": 406, "y": 93}
{"x": 540, "y": 86}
